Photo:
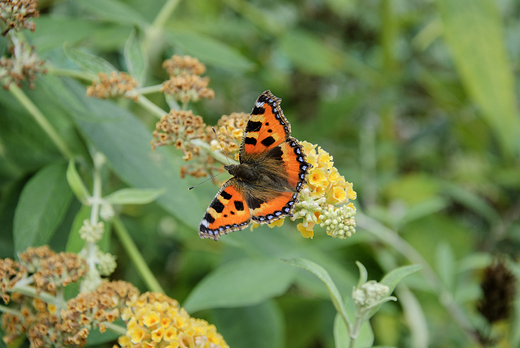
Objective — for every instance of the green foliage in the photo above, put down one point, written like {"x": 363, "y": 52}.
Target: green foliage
{"x": 416, "y": 101}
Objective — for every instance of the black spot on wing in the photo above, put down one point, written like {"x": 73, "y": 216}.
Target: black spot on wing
{"x": 253, "y": 126}
{"x": 239, "y": 205}
{"x": 209, "y": 218}
{"x": 219, "y": 207}
{"x": 268, "y": 141}
{"x": 258, "y": 111}
{"x": 250, "y": 141}
{"x": 226, "y": 195}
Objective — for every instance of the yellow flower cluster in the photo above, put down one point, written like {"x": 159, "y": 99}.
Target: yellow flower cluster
{"x": 320, "y": 197}
{"x": 155, "y": 320}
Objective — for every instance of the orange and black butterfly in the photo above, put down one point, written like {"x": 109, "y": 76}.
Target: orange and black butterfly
{"x": 266, "y": 184}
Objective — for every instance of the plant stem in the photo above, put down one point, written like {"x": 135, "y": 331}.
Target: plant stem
{"x": 31, "y": 291}
{"x": 136, "y": 257}
{"x": 219, "y": 156}
{"x": 6, "y": 309}
{"x": 148, "y": 105}
{"x": 165, "y": 13}
{"x": 149, "y": 89}
{"x": 41, "y": 120}
{"x": 115, "y": 328}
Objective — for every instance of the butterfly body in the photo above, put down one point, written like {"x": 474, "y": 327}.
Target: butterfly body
{"x": 266, "y": 184}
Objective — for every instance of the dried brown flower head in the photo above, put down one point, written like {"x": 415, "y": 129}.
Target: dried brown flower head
{"x": 33, "y": 256}
{"x": 118, "y": 84}
{"x": 188, "y": 88}
{"x": 59, "y": 271}
{"x": 10, "y": 273}
{"x": 15, "y": 13}
{"x": 184, "y": 65}
{"x": 182, "y": 128}
{"x": 24, "y": 65}
{"x": 499, "y": 289}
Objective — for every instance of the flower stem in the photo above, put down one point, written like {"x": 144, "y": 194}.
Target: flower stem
{"x": 115, "y": 328}
{"x": 31, "y": 291}
{"x": 148, "y": 105}
{"x": 136, "y": 257}
{"x": 41, "y": 120}
{"x": 165, "y": 13}
{"x": 6, "y": 309}
{"x": 149, "y": 89}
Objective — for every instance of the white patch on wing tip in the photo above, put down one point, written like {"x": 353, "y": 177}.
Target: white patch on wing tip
{"x": 259, "y": 104}
{"x": 205, "y": 223}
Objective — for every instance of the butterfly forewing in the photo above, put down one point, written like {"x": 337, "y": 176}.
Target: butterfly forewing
{"x": 267, "y": 126}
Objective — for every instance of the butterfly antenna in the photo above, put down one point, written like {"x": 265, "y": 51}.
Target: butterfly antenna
{"x": 221, "y": 147}
{"x": 202, "y": 182}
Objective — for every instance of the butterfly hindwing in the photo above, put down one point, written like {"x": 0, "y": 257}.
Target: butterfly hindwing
{"x": 267, "y": 126}
{"x": 227, "y": 212}
{"x": 268, "y": 210}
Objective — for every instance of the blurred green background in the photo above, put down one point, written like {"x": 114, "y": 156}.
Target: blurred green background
{"x": 415, "y": 100}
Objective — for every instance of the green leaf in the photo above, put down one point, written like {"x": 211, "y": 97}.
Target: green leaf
{"x": 474, "y": 32}
{"x": 76, "y": 184}
{"x": 253, "y": 327}
{"x": 114, "y": 11}
{"x": 395, "y": 276}
{"x": 446, "y": 264}
{"x": 42, "y": 206}
{"x": 240, "y": 283}
{"x": 125, "y": 142}
{"x": 87, "y": 62}
{"x": 363, "y": 274}
{"x": 210, "y": 51}
{"x": 324, "y": 276}
{"x": 135, "y": 58}
{"x": 342, "y": 338}
{"x": 310, "y": 54}
{"x": 133, "y": 196}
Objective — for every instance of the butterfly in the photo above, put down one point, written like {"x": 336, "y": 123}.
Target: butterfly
{"x": 266, "y": 184}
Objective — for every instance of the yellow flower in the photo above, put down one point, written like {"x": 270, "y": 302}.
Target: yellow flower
{"x": 307, "y": 232}
{"x": 277, "y": 223}
{"x": 156, "y": 320}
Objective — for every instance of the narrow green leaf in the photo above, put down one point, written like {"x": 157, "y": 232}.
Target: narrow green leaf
{"x": 210, "y": 51}
{"x": 135, "y": 58}
{"x": 240, "y": 283}
{"x": 87, "y": 62}
{"x": 395, "y": 276}
{"x": 324, "y": 276}
{"x": 259, "y": 326}
{"x": 133, "y": 196}
{"x": 76, "y": 184}
{"x": 446, "y": 264}
{"x": 114, "y": 11}
{"x": 363, "y": 274}
{"x": 342, "y": 338}
{"x": 41, "y": 208}
{"x": 310, "y": 54}
{"x": 474, "y": 32}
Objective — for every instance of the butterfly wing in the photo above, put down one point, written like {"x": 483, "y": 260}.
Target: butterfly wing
{"x": 267, "y": 126}
{"x": 227, "y": 212}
